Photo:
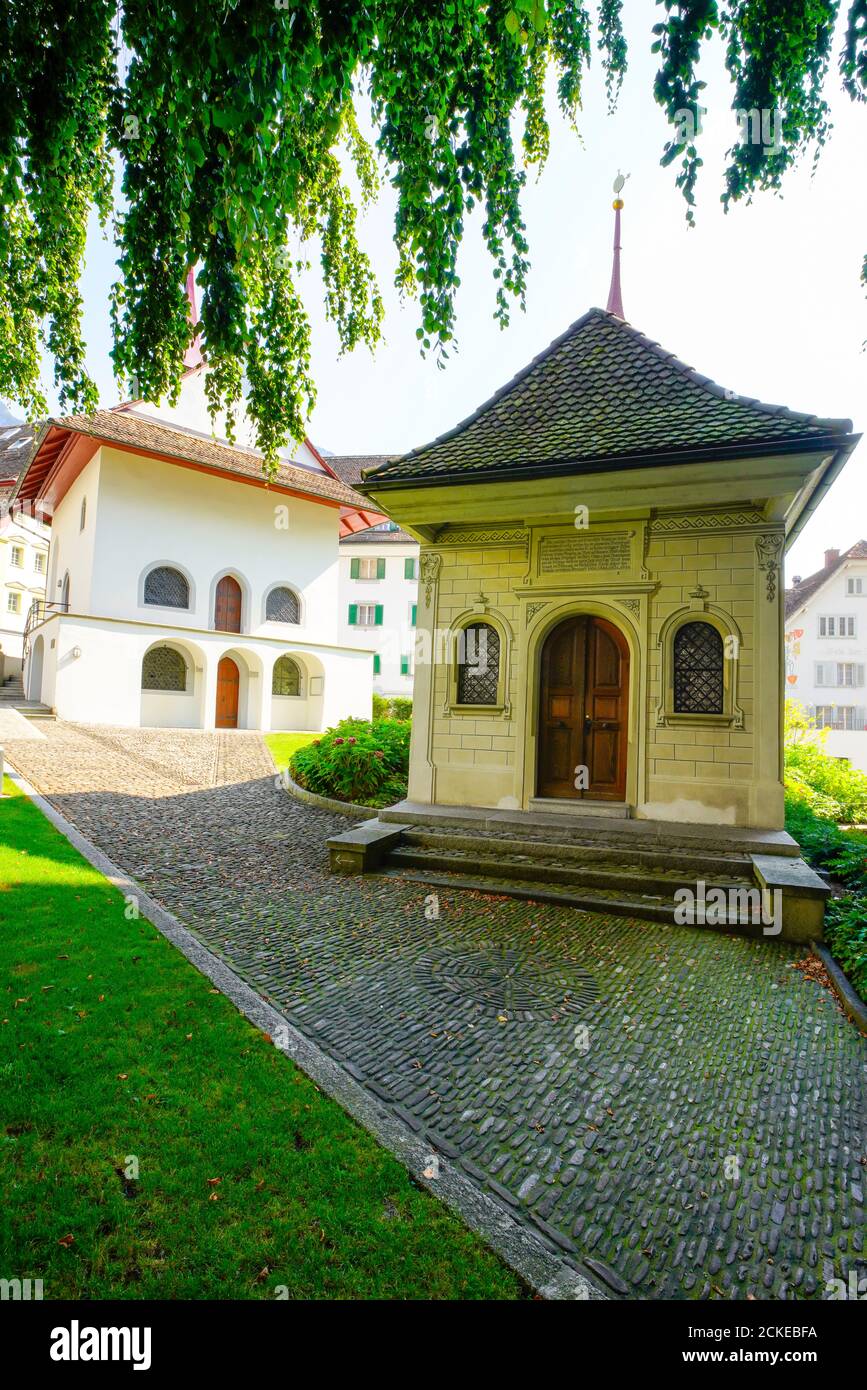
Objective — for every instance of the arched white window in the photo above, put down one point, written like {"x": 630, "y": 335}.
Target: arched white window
{"x": 165, "y": 587}
{"x": 282, "y": 606}
{"x": 163, "y": 668}
{"x": 286, "y": 678}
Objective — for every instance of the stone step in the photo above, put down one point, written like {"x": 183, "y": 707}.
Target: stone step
{"x": 649, "y": 907}
{"x": 689, "y": 861}
{"x": 637, "y": 833}
{"x": 622, "y": 877}
{"x": 31, "y": 709}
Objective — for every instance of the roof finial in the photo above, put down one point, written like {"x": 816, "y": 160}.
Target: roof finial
{"x": 615, "y": 299}
{"x": 193, "y": 357}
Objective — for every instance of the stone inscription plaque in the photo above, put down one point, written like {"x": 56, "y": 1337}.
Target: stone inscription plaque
{"x": 611, "y": 552}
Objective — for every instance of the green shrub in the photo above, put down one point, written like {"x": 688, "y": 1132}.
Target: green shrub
{"x": 396, "y": 707}
{"x": 846, "y": 935}
{"x": 831, "y": 786}
{"x": 357, "y": 761}
{"x": 834, "y": 778}
{"x": 843, "y": 855}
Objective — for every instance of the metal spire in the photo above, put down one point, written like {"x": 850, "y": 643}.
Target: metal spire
{"x": 615, "y": 298}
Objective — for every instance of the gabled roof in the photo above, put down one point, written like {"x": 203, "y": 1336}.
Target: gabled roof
{"x": 16, "y": 450}
{"x": 799, "y": 593}
{"x": 129, "y": 430}
{"x": 349, "y": 467}
{"x": 373, "y": 536}
{"x": 603, "y": 393}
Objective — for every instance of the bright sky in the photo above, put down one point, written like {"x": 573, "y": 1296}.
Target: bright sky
{"x": 765, "y": 300}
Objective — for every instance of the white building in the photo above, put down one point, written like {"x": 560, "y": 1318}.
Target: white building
{"x": 184, "y": 590}
{"x": 23, "y": 551}
{"x": 379, "y": 589}
{"x": 826, "y": 650}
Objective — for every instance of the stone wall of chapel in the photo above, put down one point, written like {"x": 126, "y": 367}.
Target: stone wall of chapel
{"x": 724, "y": 771}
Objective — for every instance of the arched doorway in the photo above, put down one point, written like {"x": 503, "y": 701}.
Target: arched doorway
{"x": 583, "y": 711}
{"x": 64, "y": 594}
{"x": 228, "y": 681}
{"x": 34, "y": 674}
{"x": 227, "y": 605}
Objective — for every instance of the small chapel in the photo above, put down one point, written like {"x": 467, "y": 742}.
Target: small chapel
{"x": 601, "y": 599}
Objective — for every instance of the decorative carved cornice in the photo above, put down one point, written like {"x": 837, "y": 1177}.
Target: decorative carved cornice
{"x": 430, "y": 564}
{"x": 769, "y": 550}
{"x": 502, "y": 535}
{"x": 706, "y": 521}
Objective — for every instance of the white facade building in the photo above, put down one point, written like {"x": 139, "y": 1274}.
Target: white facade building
{"x": 826, "y": 650}
{"x": 23, "y": 551}
{"x": 184, "y": 591}
{"x": 379, "y": 588}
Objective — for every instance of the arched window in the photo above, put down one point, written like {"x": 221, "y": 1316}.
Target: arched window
{"x": 699, "y": 686}
{"x": 478, "y": 664}
{"x": 163, "y": 668}
{"x": 167, "y": 588}
{"x": 282, "y": 606}
{"x": 286, "y": 679}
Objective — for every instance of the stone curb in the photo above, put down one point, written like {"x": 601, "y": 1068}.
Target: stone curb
{"x": 854, "y": 1006}
{"x": 325, "y": 803}
{"x": 548, "y": 1273}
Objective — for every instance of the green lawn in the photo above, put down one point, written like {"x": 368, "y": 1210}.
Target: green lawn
{"x": 282, "y": 746}
{"x": 115, "y": 1051}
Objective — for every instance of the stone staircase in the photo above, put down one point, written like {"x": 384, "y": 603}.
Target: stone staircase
{"x": 629, "y": 868}
{"x": 12, "y": 697}
{"x": 611, "y": 879}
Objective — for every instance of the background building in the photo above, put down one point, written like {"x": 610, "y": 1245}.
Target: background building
{"x": 379, "y": 589}
{"x": 23, "y": 553}
{"x": 826, "y": 650}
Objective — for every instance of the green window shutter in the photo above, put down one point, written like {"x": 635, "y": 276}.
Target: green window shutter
{"x": 353, "y": 612}
{"x": 409, "y": 568}
{"x": 377, "y": 664}
{"x": 404, "y": 665}
{"x": 414, "y": 612}
{"x": 354, "y": 569}
{"x": 380, "y": 569}
{"x": 377, "y": 615}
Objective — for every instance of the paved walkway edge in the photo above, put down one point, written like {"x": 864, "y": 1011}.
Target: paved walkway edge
{"x": 325, "y": 803}
{"x": 853, "y": 1005}
{"x": 549, "y": 1274}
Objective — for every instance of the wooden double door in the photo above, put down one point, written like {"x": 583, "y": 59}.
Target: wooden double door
{"x": 583, "y": 710}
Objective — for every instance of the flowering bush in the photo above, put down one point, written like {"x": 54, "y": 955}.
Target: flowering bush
{"x": 357, "y": 761}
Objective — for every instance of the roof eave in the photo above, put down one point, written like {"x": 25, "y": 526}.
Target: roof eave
{"x": 614, "y": 463}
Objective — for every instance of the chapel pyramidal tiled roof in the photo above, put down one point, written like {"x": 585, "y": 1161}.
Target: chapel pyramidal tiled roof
{"x": 804, "y": 589}
{"x": 600, "y": 392}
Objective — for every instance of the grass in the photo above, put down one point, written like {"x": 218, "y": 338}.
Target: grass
{"x": 115, "y": 1051}
{"x": 282, "y": 746}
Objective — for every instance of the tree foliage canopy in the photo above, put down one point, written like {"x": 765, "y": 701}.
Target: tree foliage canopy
{"x": 216, "y": 135}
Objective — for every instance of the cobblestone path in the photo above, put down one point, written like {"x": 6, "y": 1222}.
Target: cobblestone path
{"x": 681, "y": 1110}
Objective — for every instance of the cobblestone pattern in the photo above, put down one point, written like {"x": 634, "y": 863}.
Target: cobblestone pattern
{"x": 683, "y": 1110}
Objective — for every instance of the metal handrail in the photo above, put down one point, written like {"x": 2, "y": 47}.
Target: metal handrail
{"x": 40, "y": 609}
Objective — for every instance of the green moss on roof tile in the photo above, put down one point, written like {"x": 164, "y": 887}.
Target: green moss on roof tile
{"x": 603, "y": 391}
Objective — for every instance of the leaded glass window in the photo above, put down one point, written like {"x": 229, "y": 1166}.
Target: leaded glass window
{"x": 698, "y": 670}
{"x": 167, "y": 588}
{"x": 286, "y": 679}
{"x": 163, "y": 668}
{"x": 478, "y": 665}
{"x": 282, "y": 606}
